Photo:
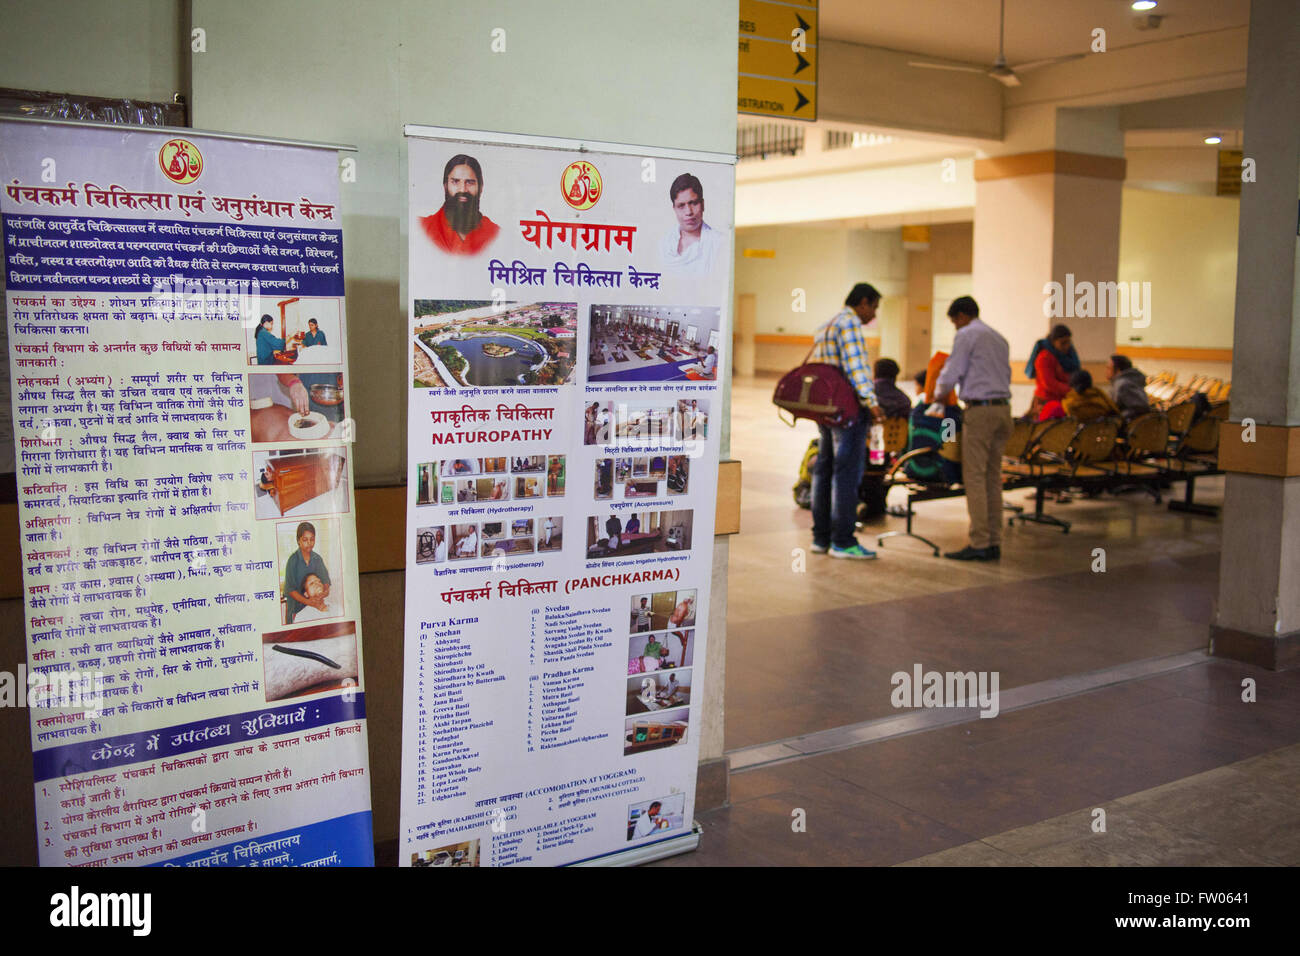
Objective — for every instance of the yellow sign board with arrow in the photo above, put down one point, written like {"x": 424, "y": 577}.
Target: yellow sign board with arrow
{"x": 778, "y": 58}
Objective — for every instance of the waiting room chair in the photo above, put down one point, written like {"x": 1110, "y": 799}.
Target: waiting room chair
{"x": 1039, "y": 466}
{"x": 1018, "y": 444}
{"x": 1090, "y": 450}
{"x": 874, "y": 490}
{"x": 1196, "y": 456}
{"x": 1144, "y": 444}
{"x": 1045, "y": 450}
{"x": 916, "y": 491}
{"x": 1180, "y": 419}
{"x": 1023, "y": 435}
{"x": 895, "y": 437}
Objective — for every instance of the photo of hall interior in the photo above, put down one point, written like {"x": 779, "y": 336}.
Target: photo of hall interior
{"x": 638, "y": 532}
{"x": 653, "y": 343}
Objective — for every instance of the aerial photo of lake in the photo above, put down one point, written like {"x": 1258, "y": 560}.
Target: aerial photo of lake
{"x": 487, "y": 369}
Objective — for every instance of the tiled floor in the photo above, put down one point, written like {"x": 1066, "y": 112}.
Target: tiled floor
{"x": 797, "y": 673}
{"x": 1186, "y": 770}
{"x": 1242, "y": 814}
{"x": 812, "y": 649}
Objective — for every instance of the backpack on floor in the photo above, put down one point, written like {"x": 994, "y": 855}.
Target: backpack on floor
{"x": 803, "y": 487}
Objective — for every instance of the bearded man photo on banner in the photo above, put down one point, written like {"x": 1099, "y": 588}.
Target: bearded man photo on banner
{"x": 459, "y": 227}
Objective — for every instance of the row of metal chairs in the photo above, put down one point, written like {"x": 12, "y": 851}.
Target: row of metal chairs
{"x": 1147, "y": 453}
{"x": 1164, "y": 391}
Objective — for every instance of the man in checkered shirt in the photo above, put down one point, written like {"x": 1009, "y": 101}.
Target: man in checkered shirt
{"x": 842, "y": 452}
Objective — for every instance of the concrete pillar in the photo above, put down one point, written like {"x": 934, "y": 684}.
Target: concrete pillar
{"x": 1258, "y": 613}
{"x": 1052, "y": 215}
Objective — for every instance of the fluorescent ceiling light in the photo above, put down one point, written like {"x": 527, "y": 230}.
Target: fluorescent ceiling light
{"x": 1143, "y": 5}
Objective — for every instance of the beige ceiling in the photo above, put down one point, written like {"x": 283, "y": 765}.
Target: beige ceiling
{"x": 1035, "y": 29}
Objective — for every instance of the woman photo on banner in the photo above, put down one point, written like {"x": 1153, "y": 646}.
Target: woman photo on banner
{"x": 303, "y": 562}
{"x": 268, "y": 343}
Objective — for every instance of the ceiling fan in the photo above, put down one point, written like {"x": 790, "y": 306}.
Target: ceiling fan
{"x": 1006, "y": 75}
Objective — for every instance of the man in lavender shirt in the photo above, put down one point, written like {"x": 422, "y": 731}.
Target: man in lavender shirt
{"x": 980, "y": 368}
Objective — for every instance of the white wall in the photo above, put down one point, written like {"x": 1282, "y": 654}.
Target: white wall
{"x": 134, "y": 49}
{"x": 346, "y": 72}
{"x": 875, "y": 87}
{"x": 877, "y": 256}
{"x": 916, "y": 188}
{"x": 825, "y": 262}
{"x": 1178, "y": 169}
{"x": 1186, "y": 247}
{"x": 947, "y": 286}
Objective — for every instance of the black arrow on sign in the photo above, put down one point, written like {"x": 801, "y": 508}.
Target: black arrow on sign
{"x": 803, "y": 101}
{"x": 802, "y": 62}
{"x": 803, "y": 25}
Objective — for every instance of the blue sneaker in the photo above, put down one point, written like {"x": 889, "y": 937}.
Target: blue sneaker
{"x": 855, "y": 552}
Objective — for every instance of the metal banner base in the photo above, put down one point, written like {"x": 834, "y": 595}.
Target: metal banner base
{"x": 649, "y": 852}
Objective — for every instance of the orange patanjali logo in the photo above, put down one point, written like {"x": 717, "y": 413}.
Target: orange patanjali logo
{"x": 580, "y": 185}
{"x": 180, "y": 161}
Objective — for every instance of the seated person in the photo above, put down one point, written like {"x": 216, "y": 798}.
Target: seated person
{"x": 467, "y": 547}
{"x": 1051, "y": 410}
{"x": 1051, "y": 363}
{"x": 709, "y": 364}
{"x": 268, "y": 343}
{"x": 668, "y": 696}
{"x": 314, "y": 588}
{"x": 1086, "y": 403}
{"x": 314, "y": 335}
{"x": 889, "y": 396}
{"x": 634, "y": 525}
{"x": 653, "y": 652}
{"x": 932, "y": 370}
{"x": 1128, "y": 388}
{"x": 707, "y": 367}
{"x": 919, "y": 379}
{"x": 650, "y": 821}
{"x": 926, "y": 430}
